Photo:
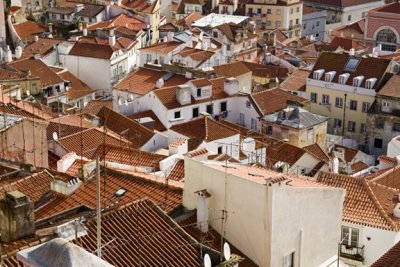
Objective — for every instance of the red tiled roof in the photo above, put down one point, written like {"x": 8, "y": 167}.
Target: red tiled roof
{"x": 36, "y": 110}
{"x": 161, "y": 48}
{"x": 187, "y": 21}
{"x": 144, "y": 80}
{"x": 296, "y": 81}
{"x": 102, "y": 51}
{"x": 78, "y": 88}
{"x": 265, "y": 71}
{"x": 272, "y": 100}
{"x": 141, "y": 5}
{"x": 121, "y": 20}
{"x": 129, "y": 156}
{"x": 150, "y": 114}
{"x": 91, "y": 140}
{"x": 66, "y": 125}
{"x": 136, "y": 188}
{"x": 232, "y": 69}
{"x": 366, "y": 203}
{"x": 38, "y": 68}
{"x": 342, "y": 3}
{"x": 167, "y": 95}
{"x": 203, "y": 129}
{"x": 42, "y": 47}
{"x": 390, "y": 259}
{"x": 393, "y": 8}
{"x": 95, "y": 106}
{"x": 318, "y": 152}
{"x": 133, "y": 130}
{"x": 177, "y": 173}
{"x": 349, "y": 153}
{"x": 142, "y": 234}
{"x": 26, "y": 30}
{"x": 358, "y": 166}
{"x": 391, "y": 88}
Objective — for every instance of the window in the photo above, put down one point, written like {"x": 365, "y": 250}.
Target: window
{"x": 223, "y": 106}
{"x": 317, "y": 23}
{"x": 195, "y": 112}
{"x": 291, "y": 11}
{"x": 177, "y": 114}
{"x": 297, "y": 21}
{"x": 269, "y": 11}
{"x": 363, "y": 128}
{"x": 253, "y": 124}
{"x": 365, "y": 107}
{"x": 268, "y": 23}
{"x": 251, "y": 11}
{"x": 220, "y": 150}
{"x": 289, "y": 260}
{"x": 352, "y": 64}
{"x": 379, "y": 123}
{"x": 351, "y": 126}
{"x": 349, "y": 18}
{"x": 314, "y": 97}
{"x": 396, "y": 126}
{"x": 337, "y": 123}
{"x": 277, "y": 23}
{"x": 349, "y": 236}
{"x": 269, "y": 130}
{"x": 339, "y": 102}
{"x": 298, "y": 9}
{"x": 248, "y": 104}
{"x": 353, "y": 104}
{"x": 388, "y": 39}
{"x": 278, "y": 11}
{"x": 198, "y": 92}
{"x": 304, "y": 25}
{"x": 290, "y": 23}
{"x": 343, "y": 78}
{"x": 228, "y": 47}
{"x": 258, "y": 10}
{"x": 148, "y": 57}
{"x": 325, "y": 99}
{"x": 210, "y": 109}
{"x": 215, "y": 34}
{"x": 378, "y": 143}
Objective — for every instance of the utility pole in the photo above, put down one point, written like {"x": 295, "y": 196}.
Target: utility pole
{"x": 98, "y": 208}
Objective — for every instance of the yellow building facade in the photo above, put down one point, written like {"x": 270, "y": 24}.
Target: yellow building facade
{"x": 285, "y": 15}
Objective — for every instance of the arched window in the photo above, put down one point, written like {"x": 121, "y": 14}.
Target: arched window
{"x": 387, "y": 38}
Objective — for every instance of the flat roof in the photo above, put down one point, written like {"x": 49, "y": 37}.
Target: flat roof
{"x": 214, "y": 20}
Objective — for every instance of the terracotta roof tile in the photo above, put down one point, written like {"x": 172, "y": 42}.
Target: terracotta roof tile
{"x": 144, "y": 80}
{"x": 197, "y": 152}
{"x": 131, "y": 130}
{"x": 81, "y": 49}
{"x": 234, "y": 69}
{"x": 78, "y": 88}
{"x": 358, "y": 166}
{"x": 66, "y": 125}
{"x": 318, "y": 152}
{"x": 296, "y": 81}
{"x": 129, "y": 156}
{"x": 26, "y": 30}
{"x": 162, "y": 48}
{"x": 42, "y": 47}
{"x": 390, "y": 259}
{"x": 203, "y": 129}
{"x": 272, "y": 100}
{"x": 91, "y": 140}
{"x": 391, "y": 88}
{"x": 140, "y": 5}
{"x": 349, "y": 153}
{"x": 262, "y": 70}
{"x": 187, "y": 21}
{"x": 177, "y": 173}
{"x": 95, "y": 106}
{"x": 136, "y": 188}
{"x": 38, "y": 68}
{"x": 366, "y": 203}
{"x": 35, "y": 109}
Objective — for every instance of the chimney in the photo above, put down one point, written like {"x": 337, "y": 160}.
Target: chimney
{"x": 78, "y": 8}
{"x": 66, "y": 161}
{"x": 65, "y": 188}
{"x": 17, "y": 218}
{"x": 18, "y": 52}
{"x": 36, "y": 56}
{"x": 231, "y": 86}
{"x": 8, "y": 55}
{"x": 214, "y": 3}
{"x": 334, "y": 162}
{"x": 80, "y": 26}
{"x": 84, "y": 30}
{"x": 183, "y": 94}
{"x": 170, "y": 36}
{"x": 50, "y": 27}
{"x": 352, "y": 52}
{"x": 119, "y": 2}
{"x": 202, "y": 210}
{"x": 112, "y": 39}
{"x": 178, "y": 147}
{"x": 35, "y": 38}
{"x": 235, "y": 5}
{"x": 160, "y": 83}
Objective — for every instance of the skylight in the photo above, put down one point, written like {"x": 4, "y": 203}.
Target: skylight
{"x": 352, "y": 64}
{"x": 120, "y": 192}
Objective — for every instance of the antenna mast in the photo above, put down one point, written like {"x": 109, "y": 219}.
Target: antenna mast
{"x": 98, "y": 208}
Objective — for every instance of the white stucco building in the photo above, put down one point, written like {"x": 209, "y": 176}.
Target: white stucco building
{"x": 274, "y": 219}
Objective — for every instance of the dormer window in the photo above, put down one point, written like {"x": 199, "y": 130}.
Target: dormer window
{"x": 369, "y": 84}
{"x": 329, "y": 76}
{"x": 343, "y": 78}
{"x": 318, "y": 74}
{"x": 358, "y": 80}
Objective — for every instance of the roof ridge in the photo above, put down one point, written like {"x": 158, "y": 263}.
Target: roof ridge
{"x": 377, "y": 204}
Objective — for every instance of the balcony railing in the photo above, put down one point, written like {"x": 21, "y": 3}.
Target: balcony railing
{"x": 352, "y": 252}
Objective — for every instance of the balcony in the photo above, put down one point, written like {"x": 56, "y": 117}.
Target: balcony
{"x": 353, "y": 253}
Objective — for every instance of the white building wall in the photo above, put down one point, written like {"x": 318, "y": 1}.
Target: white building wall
{"x": 393, "y": 148}
{"x": 158, "y": 141}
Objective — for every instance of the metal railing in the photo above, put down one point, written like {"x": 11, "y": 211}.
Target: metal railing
{"x": 352, "y": 252}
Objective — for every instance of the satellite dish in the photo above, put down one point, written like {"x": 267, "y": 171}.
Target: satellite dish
{"x": 207, "y": 261}
{"x": 55, "y": 136}
{"x": 227, "y": 251}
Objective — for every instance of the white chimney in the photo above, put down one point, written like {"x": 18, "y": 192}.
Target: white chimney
{"x": 178, "y": 147}
{"x": 80, "y": 26}
{"x": 214, "y": 3}
{"x": 335, "y": 165}
{"x": 50, "y": 27}
{"x": 202, "y": 210}
{"x": 84, "y": 30}
{"x": 160, "y": 83}
{"x": 8, "y": 55}
{"x": 352, "y": 51}
{"x": 165, "y": 39}
{"x": 184, "y": 94}
{"x": 235, "y": 5}
{"x": 170, "y": 36}
{"x": 231, "y": 86}
{"x": 112, "y": 39}
{"x": 18, "y": 52}
{"x": 35, "y": 38}
{"x": 65, "y": 188}
{"x": 66, "y": 161}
